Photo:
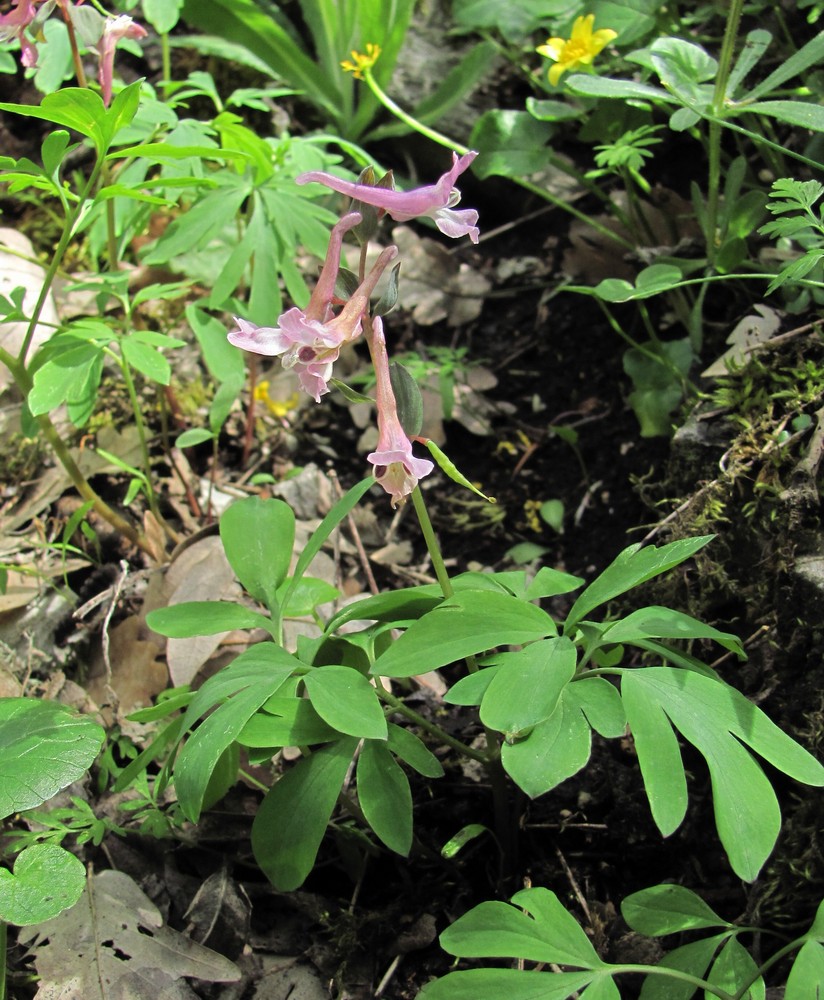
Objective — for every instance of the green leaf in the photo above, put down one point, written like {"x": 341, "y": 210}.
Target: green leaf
{"x": 180, "y": 621}
{"x": 467, "y": 833}
{"x": 222, "y": 359}
{"x": 515, "y": 19}
{"x": 44, "y": 747}
{"x": 668, "y": 909}
{"x": 245, "y": 684}
{"x": 806, "y": 979}
{"x": 147, "y": 360}
{"x": 47, "y": 879}
{"x": 604, "y": 86}
{"x": 286, "y": 722}
{"x": 163, "y": 15}
{"x": 470, "y": 690}
{"x": 601, "y": 703}
{"x": 632, "y": 567}
{"x": 693, "y": 958}
{"x": 467, "y": 623}
{"x": 717, "y": 720}
{"x": 346, "y": 700}
{"x": 659, "y": 757}
{"x": 808, "y": 55}
{"x": 755, "y": 45}
{"x": 802, "y": 114}
{"x": 408, "y": 398}
{"x": 514, "y": 984}
{"x": 204, "y": 222}
{"x": 292, "y": 819}
{"x": 258, "y": 536}
{"x": 500, "y": 930}
{"x": 385, "y": 797}
{"x": 683, "y": 67}
{"x": 663, "y": 623}
{"x": 192, "y": 437}
{"x": 307, "y": 596}
{"x": 554, "y": 750}
{"x": 527, "y": 685}
{"x": 413, "y": 751}
{"x": 511, "y": 144}
{"x": 69, "y": 377}
{"x": 393, "y": 606}
{"x": 733, "y": 966}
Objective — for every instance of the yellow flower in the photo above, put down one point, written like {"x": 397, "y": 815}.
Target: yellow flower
{"x": 579, "y": 50}
{"x": 278, "y": 408}
{"x": 361, "y": 61}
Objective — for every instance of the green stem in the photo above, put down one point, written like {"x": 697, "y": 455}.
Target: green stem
{"x": 771, "y": 961}
{"x": 3, "y": 957}
{"x": 714, "y": 136}
{"x": 430, "y": 727}
{"x": 492, "y": 757}
{"x": 684, "y": 977}
{"x": 432, "y": 545}
{"x": 63, "y": 454}
{"x": 57, "y": 259}
{"x": 166, "y": 61}
{"x": 141, "y": 434}
{"x": 443, "y": 140}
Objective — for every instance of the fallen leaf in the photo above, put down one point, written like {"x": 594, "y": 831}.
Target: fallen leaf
{"x": 113, "y": 944}
{"x": 747, "y": 335}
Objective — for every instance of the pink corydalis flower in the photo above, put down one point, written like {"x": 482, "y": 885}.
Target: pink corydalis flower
{"x": 14, "y": 24}
{"x": 309, "y": 340}
{"x": 114, "y": 30}
{"x": 436, "y": 201}
{"x": 396, "y": 468}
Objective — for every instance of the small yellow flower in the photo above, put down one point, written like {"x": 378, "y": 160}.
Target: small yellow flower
{"x": 579, "y": 50}
{"x": 361, "y": 61}
{"x": 278, "y": 408}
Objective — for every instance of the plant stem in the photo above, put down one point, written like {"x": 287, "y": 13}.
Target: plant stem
{"x": 504, "y": 820}
{"x": 3, "y": 957}
{"x": 714, "y": 135}
{"x": 166, "y": 61}
{"x": 432, "y": 546}
{"x": 141, "y": 433}
{"x": 771, "y": 961}
{"x": 63, "y": 454}
{"x": 430, "y": 727}
{"x": 684, "y": 977}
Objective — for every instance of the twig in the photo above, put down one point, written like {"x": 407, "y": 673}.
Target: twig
{"x": 575, "y": 887}
{"x": 356, "y": 538}
{"x": 107, "y": 663}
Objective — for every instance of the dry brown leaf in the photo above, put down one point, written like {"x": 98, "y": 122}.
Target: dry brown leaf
{"x": 747, "y": 335}
{"x": 137, "y": 674}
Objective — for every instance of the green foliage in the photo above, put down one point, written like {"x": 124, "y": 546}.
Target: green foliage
{"x": 45, "y": 881}
{"x": 536, "y": 927}
{"x": 44, "y": 747}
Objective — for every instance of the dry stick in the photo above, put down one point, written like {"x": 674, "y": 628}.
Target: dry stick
{"x": 575, "y": 887}
{"x": 107, "y": 663}
{"x": 356, "y": 538}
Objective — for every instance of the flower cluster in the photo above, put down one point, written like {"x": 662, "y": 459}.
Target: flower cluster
{"x": 310, "y": 340}
{"x": 578, "y": 50}
{"x": 19, "y": 23}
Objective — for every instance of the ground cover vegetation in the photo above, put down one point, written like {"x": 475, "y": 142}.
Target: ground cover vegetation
{"x": 410, "y": 567}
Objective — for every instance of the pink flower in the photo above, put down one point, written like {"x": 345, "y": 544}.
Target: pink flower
{"x": 13, "y": 25}
{"x": 114, "y": 29}
{"x": 396, "y": 468}
{"x": 436, "y": 201}
{"x": 310, "y": 340}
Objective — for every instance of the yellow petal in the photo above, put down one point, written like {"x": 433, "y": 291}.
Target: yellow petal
{"x": 601, "y": 38}
{"x": 582, "y": 29}
{"x": 556, "y": 72}
{"x": 553, "y": 48}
